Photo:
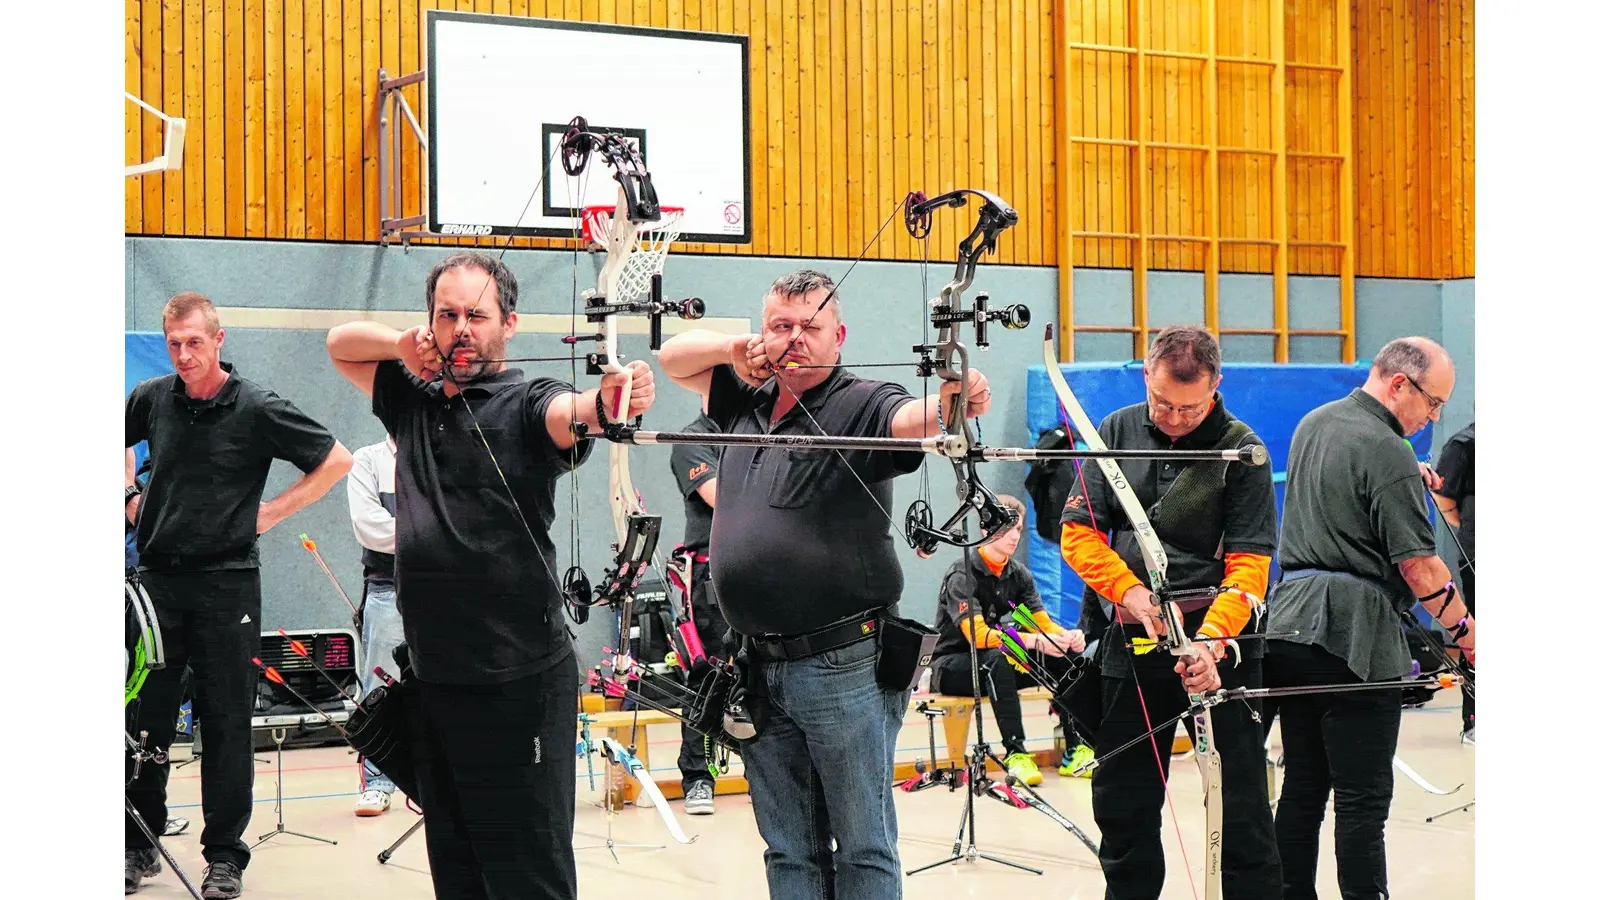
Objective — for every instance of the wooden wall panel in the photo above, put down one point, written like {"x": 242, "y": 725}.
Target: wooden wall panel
{"x": 1414, "y": 138}
{"x": 856, "y": 103}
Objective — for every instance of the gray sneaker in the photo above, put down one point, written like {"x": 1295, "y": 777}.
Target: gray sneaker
{"x": 700, "y": 800}
{"x": 139, "y": 865}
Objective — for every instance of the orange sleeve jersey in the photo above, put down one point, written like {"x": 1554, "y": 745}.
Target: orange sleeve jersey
{"x": 1087, "y": 552}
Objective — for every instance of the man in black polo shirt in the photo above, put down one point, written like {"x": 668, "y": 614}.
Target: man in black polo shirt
{"x": 1217, "y": 522}
{"x": 803, "y": 564}
{"x": 213, "y": 436}
{"x": 1357, "y": 549}
{"x": 1458, "y": 504}
{"x": 695, "y": 467}
{"x": 477, "y": 457}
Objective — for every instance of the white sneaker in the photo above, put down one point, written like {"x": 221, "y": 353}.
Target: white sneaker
{"x": 700, "y": 799}
{"x": 1470, "y": 736}
{"x": 372, "y": 803}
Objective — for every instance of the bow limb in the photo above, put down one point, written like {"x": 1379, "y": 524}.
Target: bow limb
{"x": 1155, "y": 559}
{"x": 620, "y": 756}
{"x": 636, "y": 532}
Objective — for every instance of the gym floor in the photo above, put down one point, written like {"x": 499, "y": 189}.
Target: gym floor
{"x": 1425, "y": 859}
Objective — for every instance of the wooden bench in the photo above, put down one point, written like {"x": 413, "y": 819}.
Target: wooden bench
{"x": 958, "y": 724}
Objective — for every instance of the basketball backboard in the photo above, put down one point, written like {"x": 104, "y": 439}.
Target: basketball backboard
{"x": 501, "y": 91}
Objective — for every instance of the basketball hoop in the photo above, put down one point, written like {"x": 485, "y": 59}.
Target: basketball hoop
{"x": 650, "y": 246}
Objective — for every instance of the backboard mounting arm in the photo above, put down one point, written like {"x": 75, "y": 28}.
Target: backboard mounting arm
{"x": 392, "y": 104}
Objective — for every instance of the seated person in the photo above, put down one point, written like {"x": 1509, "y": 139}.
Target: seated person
{"x": 987, "y": 579}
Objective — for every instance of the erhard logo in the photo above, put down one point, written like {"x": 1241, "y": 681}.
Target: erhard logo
{"x": 697, "y": 471}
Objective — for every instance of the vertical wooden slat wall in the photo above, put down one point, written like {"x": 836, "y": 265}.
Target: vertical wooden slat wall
{"x": 856, "y": 102}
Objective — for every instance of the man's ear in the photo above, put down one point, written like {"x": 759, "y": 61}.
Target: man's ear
{"x": 221, "y": 333}
{"x": 842, "y": 332}
{"x": 511, "y": 325}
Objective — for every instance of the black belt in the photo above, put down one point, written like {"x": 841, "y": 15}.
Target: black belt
{"x": 854, "y": 630}
{"x": 191, "y": 560}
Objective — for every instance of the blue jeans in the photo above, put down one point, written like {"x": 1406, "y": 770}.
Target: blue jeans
{"x": 381, "y": 632}
{"x": 821, "y": 769}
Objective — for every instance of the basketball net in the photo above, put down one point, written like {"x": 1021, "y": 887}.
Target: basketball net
{"x": 650, "y": 245}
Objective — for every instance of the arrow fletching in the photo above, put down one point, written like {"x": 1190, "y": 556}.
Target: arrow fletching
{"x": 272, "y": 674}
{"x": 298, "y": 647}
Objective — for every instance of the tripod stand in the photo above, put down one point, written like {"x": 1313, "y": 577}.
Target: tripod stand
{"x": 278, "y": 737}
{"x": 615, "y": 777}
{"x": 977, "y": 773}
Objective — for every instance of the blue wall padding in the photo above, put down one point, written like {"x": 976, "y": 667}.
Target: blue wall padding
{"x": 1271, "y": 398}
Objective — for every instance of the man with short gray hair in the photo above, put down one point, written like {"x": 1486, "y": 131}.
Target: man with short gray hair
{"x": 1356, "y": 551}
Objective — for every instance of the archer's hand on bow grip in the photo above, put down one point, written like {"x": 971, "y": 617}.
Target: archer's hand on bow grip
{"x": 978, "y": 395}
{"x": 642, "y": 394}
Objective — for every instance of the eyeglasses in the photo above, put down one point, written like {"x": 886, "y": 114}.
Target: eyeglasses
{"x": 1433, "y": 402}
{"x": 1187, "y": 412}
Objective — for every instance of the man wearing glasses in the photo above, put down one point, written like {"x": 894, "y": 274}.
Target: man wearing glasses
{"x": 1218, "y": 524}
{"x": 1356, "y": 549}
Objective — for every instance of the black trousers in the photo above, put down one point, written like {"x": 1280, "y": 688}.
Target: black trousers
{"x": 1128, "y": 791}
{"x": 498, "y": 785}
{"x": 713, "y": 629}
{"x": 1343, "y": 743}
{"x": 999, "y": 681}
{"x": 211, "y": 622}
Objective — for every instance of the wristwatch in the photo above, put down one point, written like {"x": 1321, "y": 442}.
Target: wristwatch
{"x": 132, "y": 491}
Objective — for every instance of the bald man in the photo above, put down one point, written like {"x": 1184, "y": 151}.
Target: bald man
{"x": 1356, "y": 549}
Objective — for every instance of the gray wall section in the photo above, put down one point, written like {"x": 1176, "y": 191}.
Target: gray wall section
{"x": 1457, "y": 305}
{"x": 884, "y": 308}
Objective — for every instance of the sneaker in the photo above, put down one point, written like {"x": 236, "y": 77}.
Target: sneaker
{"x": 1021, "y": 767}
{"x": 175, "y": 825}
{"x": 1469, "y": 737}
{"x": 224, "y": 881}
{"x": 700, "y": 799}
{"x": 372, "y": 803}
{"x": 139, "y": 865}
{"x": 1076, "y": 763}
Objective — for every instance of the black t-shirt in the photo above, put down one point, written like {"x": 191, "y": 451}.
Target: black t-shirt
{"x": 694, "y": 465}
{"x": 970, "y": 589}
{"x": 1457, "y": 466}
{"x": 798, "y": 542}
{"x": 1220, "y": 508}
{"x": 479, "y": 604}
{"x": 209, "y": 461}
